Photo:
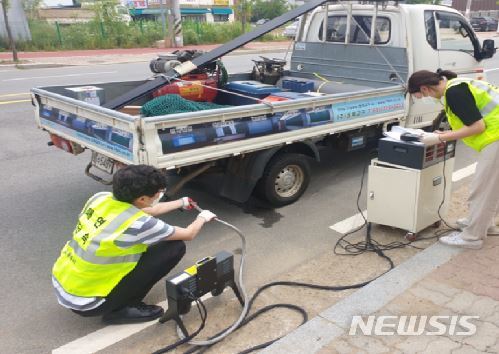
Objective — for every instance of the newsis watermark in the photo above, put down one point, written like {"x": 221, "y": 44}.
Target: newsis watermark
{"x": 415, "y": 325}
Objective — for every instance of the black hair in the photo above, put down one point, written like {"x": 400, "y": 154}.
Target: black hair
{"x": 134, "y": 181}
{"x": 428, "y": 78}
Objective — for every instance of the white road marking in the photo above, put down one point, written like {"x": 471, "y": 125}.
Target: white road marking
{"x": 109, "y": 335}
{"x": 489, "y": 70}
{"x": 348, "y": 224}
{"x": 103, "y": 338}
{"x": 59, "y": 76}
{"x": 464, "y": 172}
{"x": 355, "y": 221}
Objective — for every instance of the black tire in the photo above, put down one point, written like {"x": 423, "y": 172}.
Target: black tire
{"x": 293, "y": 171}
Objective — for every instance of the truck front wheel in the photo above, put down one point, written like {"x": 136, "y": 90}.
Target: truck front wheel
{"x": 285, "y": 179}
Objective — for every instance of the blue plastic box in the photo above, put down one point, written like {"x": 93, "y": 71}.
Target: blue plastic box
{"x": 297, "y": 85}
{"x": 249, "y": 88}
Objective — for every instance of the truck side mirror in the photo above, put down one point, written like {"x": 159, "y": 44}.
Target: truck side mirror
{"x": 488, "y": 49}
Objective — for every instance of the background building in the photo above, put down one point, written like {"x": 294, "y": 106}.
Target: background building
{"x": 192, "y": 10}
{"x": 478, "y": 7}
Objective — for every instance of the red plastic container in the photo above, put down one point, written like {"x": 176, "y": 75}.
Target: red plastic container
{"x": 272, "y": 98}
{"x": 192, "y": 87}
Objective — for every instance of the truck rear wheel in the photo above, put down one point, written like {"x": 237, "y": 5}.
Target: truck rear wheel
{"x": 285, "y": 179}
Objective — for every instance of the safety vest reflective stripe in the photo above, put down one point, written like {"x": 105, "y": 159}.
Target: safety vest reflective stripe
{"x": 487, "y": 109}
{"x": 111, "y": 228}
{"x": 90, "y": 255}
{"x": 93, "y": 199}
{"x": 92, "y": 258}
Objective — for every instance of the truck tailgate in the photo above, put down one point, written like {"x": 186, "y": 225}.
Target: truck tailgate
{"x": 108, "y": 132}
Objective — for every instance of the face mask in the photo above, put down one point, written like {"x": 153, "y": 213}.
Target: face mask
{"x": 156, "y": 201}
{"x": 429, "y": 100}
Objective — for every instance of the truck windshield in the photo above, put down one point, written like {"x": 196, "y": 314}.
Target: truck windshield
{"x": 360, "y": 29}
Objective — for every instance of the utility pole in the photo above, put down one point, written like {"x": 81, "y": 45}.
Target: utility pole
{"x": 467, "y": 14}
{"x": 178, "y": 37}
{"x": 171, "y": 41}
{"x": 12, "y": 42}
{"x": 163, "y": 20}
{"x": 243, "y": 15}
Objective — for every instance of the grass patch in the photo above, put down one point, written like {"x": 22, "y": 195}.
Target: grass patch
{"x": 137, "y": 34}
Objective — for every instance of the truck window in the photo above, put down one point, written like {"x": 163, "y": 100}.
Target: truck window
{"x": 454, "y": 32}
{"x": 431, "y": 33}
{"x": 359, "y": 32}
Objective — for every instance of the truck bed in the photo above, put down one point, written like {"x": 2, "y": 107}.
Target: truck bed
{"x": 176, "y": 140}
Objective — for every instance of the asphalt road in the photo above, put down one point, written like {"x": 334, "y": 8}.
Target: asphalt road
{"x": 43, "y": 188}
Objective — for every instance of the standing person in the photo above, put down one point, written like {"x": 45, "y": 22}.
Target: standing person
{"x": 472, "y": 109}
{"x": 119, "y": 250}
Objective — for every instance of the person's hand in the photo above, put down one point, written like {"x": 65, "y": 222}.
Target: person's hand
{"x": 442, "y": 135}
{"x": 187, "y": 203}
{"x": 207, "y": 215}
{"x": 430, "y": 139}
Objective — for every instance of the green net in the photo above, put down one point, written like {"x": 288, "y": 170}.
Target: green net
{"x": 170, "y": 104}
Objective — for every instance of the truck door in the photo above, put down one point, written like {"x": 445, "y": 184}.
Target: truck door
{"x": 456, "y": 43}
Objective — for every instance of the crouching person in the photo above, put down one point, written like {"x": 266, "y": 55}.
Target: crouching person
{"x": 119, "y": 250}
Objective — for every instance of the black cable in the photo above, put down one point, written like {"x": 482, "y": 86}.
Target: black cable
{"x": 248, "y": 319}
{"x": 203, "y": 313}
{"x": 450, "y": 228}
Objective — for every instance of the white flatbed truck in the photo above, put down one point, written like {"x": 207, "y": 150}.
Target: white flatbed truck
{"x": 358, "y": 73}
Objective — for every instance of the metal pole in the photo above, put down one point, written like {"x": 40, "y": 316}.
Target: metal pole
{"x": 177, "y": 24}
{"x": 373, "y": 24}
{"x": 349, "y": 23}
{"x": 163, "y": 20}
{"x": 171, "y": 41}
{"x": 467, "y": 14}
{"x": 324, "y": 22}
{"x": 58, "y": 30}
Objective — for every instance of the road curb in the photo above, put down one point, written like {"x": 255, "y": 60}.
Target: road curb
{"x": 335, "y": 321}
{"x": 35, "y": 65}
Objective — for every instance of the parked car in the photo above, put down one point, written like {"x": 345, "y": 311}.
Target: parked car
{"x": 261, "y": 21}
{"x": 483, "y": 23}
{"x": 290, "y": 31}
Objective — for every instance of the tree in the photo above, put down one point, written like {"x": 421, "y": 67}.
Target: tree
{"x": 268, "y": 9}
{"x": 31, "y": 8}
{"x": 243, "y": 9}
{"x": 12, "y": 42}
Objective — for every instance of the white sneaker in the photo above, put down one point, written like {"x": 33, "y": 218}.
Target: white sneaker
{"x": 455, "y": 240}
{"x": 493, "y": 230}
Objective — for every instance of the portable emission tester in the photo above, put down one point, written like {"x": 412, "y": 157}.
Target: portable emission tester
{"x": 409, "y": 184}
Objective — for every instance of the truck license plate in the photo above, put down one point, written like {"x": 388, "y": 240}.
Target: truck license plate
{"x": 102, "y": 162}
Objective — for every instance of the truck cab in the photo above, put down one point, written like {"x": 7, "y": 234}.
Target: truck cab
{"x": 405, "y": 39}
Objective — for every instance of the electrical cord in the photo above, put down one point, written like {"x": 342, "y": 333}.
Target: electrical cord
{"x": 203, "y": 313}
{"x": 450, "y": 228}
{"x": 242, "y": 288}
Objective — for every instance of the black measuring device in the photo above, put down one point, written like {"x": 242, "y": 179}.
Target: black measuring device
{"x": 210, "y": 274}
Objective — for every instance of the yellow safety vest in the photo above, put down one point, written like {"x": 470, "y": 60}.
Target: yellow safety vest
{"x": 91, "y": 264}
{"x": 487, "y": 101}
